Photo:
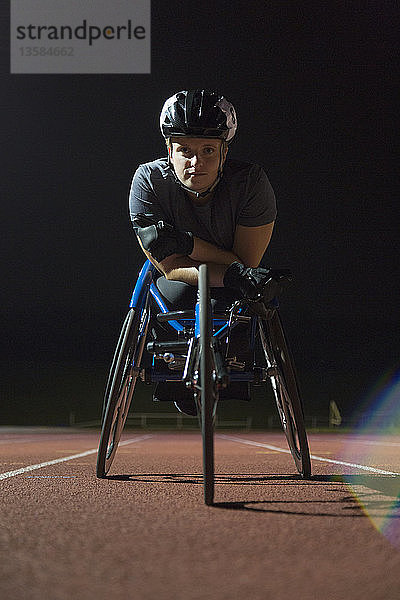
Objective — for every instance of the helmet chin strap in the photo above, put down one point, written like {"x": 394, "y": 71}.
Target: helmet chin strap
{"x": 186, "y": 188}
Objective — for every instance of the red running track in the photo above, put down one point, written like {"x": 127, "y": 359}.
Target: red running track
{"x": 145, "y": 533}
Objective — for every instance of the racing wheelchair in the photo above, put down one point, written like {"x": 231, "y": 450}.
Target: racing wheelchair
{"x": 197, "y": 354}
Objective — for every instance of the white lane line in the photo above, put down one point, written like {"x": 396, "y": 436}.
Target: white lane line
{"x": 313, "y": 456}
{"x": 66, "y": 458}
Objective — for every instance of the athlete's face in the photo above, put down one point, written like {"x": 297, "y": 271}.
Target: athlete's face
{"x": 196, "y": 161}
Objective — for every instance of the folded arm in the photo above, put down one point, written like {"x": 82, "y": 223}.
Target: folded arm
{"x": 178, "y": 267}
{"x": 249, "y": 246}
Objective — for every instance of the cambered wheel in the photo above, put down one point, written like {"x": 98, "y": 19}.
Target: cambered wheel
{"x": 208, "y": 391}
{"x": 283, "y": 379}
{"x": 116, "y": 358}
{"x": 121, "y": 385}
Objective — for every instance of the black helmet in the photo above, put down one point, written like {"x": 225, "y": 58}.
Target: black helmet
{"x": 198, "y": 113}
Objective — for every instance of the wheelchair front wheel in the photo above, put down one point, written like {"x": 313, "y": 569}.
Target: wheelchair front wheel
{"x": 280, "y": 370}
{"x": 208, "y": 393}
{"x": 120, "y": 386}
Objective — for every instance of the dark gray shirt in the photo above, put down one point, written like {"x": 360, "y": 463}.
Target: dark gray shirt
{"x": 244, "y": 196}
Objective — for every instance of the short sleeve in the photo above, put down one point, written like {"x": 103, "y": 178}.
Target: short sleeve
{"x": 142, "y": 198}
{"x": 259, "y": 205}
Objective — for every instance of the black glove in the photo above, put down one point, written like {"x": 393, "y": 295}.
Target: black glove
{"x": 162, "y": 240}
{"x": 251, "y": 281}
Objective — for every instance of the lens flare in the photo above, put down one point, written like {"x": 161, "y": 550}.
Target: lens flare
{"x": 376, "y": 442}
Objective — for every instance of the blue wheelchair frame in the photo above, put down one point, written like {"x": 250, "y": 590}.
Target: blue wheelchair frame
{"x": 222, "y": 326}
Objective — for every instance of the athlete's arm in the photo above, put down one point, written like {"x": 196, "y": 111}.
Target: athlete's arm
{"x": 183, "y": 268}
{"x": 250, "y": 243}
{"x": 177, "y": 267}
{"x": 204, "y": 252}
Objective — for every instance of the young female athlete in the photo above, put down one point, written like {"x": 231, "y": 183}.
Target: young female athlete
{"x": 218, "y": 210}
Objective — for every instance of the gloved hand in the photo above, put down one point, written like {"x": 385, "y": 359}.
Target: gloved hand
{"x": 162, "y": 240}
{"x": 251, "y": 281}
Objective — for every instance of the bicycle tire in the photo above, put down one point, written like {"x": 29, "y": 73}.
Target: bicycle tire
{"x": 120, "y": 386}
{"x": 281, "y": 371}
{"x": 208, "y": 394}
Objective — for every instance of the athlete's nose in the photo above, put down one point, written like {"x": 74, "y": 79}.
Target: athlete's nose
{"x": 195, "y": 160}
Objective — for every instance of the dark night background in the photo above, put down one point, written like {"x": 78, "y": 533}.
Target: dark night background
{"x": 314, "y": 88}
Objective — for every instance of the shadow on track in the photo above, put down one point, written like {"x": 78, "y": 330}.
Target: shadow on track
{"x": 347, "y": 505}
{"x": 197, "y": 478}
{"x": 387, "y": 485}
{"x": 274, "y": 507}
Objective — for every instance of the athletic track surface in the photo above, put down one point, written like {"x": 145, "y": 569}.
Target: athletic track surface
{"x": 145, "y": 533}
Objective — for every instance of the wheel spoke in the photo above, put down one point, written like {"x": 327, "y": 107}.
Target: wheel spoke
{"x": 121, "y": 385}
{"x": 285, "y": 389}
